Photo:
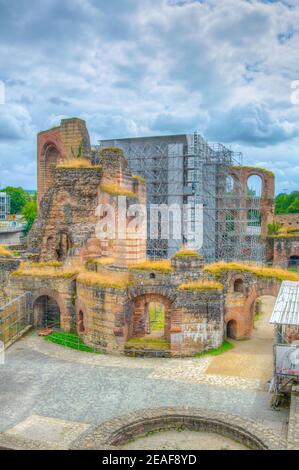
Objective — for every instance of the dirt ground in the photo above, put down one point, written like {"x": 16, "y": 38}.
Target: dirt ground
{"x": 184, "y": 440}
{"x": 250, "y": 358}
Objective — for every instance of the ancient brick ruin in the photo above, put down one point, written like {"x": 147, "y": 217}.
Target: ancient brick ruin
{"x": 105, "y": 289}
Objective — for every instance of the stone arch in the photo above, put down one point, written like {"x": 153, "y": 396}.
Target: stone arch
{"x": 255, "y": 185}
{"x": 114, "y": 433}
{"x": 241, "y": 310}
{"x": 65, "y": 316}
{"x": 47, "y": 304}
{"x": 231, "y": 329}
{"x": 139, "y": 319}
{"x": 50, "y": 157}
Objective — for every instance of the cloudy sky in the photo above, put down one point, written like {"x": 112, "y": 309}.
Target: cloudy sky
{"x": 147, "y": 67}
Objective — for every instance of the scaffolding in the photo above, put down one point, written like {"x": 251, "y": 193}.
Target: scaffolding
{"x": 188, "y": 171}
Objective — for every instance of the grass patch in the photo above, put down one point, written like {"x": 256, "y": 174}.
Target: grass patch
{"x": 185, "y": 252}
{"x": 105, "y": 279}
{"x": 147, "y": 343}
{"x": 268, "y": 172}
{"x": 104, "y": 261}
{"x": 76, "y": 163}
{"x": 5, "y": 252}
{"x": 225, "y": 346}
{"x": 46, "y": 264}
{"x": 27, "y": 269}
{"x": 262, "y": 272}
{"x": 157, "y": 317}
{"x": 70, "y": 340}
{"x": 116, "y": 190}
{"x": 201, "y": 286}
{"x": 163, "y": 266}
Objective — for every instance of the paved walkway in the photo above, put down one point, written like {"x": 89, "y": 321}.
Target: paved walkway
{"x": 40, "y": 379}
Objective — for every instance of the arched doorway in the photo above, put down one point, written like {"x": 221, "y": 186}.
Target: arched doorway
{"x": 231, "y": 329}
{"x": 261, "y": 314}
{"x": 150, "y": 316}
{"x": 155, "y": 319}
{"x": 46, "y": 312}
{"x": 293, "y": 261}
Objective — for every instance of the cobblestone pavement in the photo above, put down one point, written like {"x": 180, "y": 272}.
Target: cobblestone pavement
{"x": 40, "y": 378}
{"x": 43, "y": 380}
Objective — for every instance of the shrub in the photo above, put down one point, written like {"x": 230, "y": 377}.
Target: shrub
{"x": 5, "y": 252}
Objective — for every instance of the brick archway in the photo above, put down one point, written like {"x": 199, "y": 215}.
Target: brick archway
{"x": 239, "y": 307}
{"x": 38, "y": 311}
{"x": 139, "y": 319}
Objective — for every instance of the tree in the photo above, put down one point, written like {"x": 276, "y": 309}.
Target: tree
{"x": 29, "y": 212}
{"x": 294, "y": 207}
{"x": 18, "y": 198}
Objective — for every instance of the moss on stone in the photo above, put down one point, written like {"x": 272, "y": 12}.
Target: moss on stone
{"x": 77, "y": 163}
{"x": 186, "y": 252}
{"x": 139, "y": 178}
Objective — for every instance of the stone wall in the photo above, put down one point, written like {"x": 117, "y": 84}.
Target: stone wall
{"x": 7, "y": 266}
{"x": 288, "y": 220}
{"x": 58, "y": 144}
{"x": 280, "y": 249}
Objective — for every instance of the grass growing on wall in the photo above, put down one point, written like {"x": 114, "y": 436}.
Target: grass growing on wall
{"x": 225, "y": 346}
{"x": 185, "y": 252}
{"x": 70, "y": 340}
{"x": 201, "y": 286}
{"x": 163, "y": 266}
{"x": 44, "y": 270}
{"x": 262, "y": 272}
{"x": 76, "y": 163}
{"x": 105, "y": 279}
{"x": 116, "y": 190}
{"x": 5, "y": 252}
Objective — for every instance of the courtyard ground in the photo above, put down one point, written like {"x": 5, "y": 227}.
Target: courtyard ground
{"x": 52, "y": 393}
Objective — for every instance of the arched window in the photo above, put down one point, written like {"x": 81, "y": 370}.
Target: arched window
{"x": 231, "y": 329}
{"x": 64, "y": 245}
{"x": 239, "y": 286}
{"x": 152, "y": 275}
{"x": 254, "y": 186}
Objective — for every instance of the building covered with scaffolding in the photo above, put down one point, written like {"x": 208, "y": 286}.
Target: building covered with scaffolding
{"x": 188, "y": 171}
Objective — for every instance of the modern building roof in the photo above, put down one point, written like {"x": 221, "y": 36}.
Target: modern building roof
{"x": 286, "y": 309}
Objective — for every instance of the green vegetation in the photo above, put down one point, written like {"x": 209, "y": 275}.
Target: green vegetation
{"x": 106, "y": 279}
{"x": 5, "y": 252}
{"x": 18, "y": 198}
{"x": 43, "y": 270}
{"x": 263, "y": 272}
{"x": 225, "y": 346}
{"x": 287, "y": 203}
{"x": 255, "y": 168}
{"x": 70, "y": 340}
{"x": 29, "y": 212}
{"x": 201, "y": 285}
{"x": 274, "y": 228}
{"x": 186, "y": 252}
{"x": 139, "y": 178}
{"x": 147, "y": 342}
{"x": 116, "y": 190}
{"x": 163, "y": 266}
{"x": 79, "y": 150}
{"x": 156, "y": 316}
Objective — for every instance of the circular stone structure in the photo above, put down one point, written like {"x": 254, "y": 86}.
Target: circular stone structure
{"x": 114, "y": 434}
